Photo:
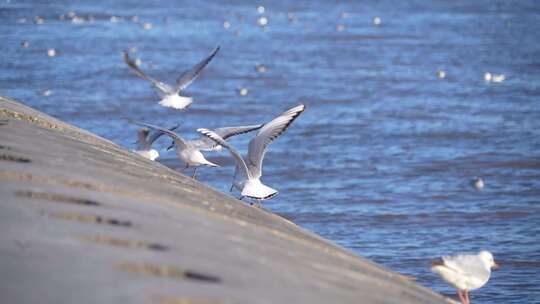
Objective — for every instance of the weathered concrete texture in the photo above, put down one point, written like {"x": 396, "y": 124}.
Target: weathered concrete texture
{"x": 83, "y": 220}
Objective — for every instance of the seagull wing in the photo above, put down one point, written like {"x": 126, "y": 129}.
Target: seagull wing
{"x": 208, "y": 144}
{"x": 268, "y": 133}
{"x": 190, "y": 75}
{"x": 240, "y": 163}
{"x": 157, "y": 134}
{"x": 160, "y": 86}
{"x": 179, "y": 141}
{"x": 227, "y": 132}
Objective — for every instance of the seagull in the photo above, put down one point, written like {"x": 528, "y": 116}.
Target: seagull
{"x": 189, "y": 151}
{"x": 489, "y": 77}
{"x": 466, "y": 271}
{"x": 170, "y": 95}
{"x": 249, "y": 183}
{"x": 478, "y": 183}
{"x": 206, "y": 144}
{"x": 145, "y": 141}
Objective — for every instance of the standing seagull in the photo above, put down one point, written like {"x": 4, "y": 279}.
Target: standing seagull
{"x": 189, "y": 151}
{"x": 466, "y": 272}
{"x": 170, "y": 95}
{"x": 145, "y": 141}
{"x": 249, "y": 183}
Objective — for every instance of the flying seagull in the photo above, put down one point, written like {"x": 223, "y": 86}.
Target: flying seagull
{"x": 189, "y": 151}
{"x": 145, "y": 141}
{"x": 170, "y": 95}
{"x": 250, "y": 168}
{"x": 465, "y": 271}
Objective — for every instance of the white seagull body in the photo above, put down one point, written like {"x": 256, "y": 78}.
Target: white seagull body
{"x": 145, "y": 141}
{"x": 170, "y": 95}
{"x": 248, "y": 181}
{"x": 189, "y": 151}
{"x": 466, "y": 272}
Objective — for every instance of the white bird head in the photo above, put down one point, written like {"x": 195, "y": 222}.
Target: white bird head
{"x": 488, "y": 260}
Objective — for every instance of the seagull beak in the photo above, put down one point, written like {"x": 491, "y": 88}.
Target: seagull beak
{"x": 495, "y": 265}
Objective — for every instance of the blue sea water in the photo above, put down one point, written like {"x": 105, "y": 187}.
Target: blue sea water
{"x": 381, "y": 160}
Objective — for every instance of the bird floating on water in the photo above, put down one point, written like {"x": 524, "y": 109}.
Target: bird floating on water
{"x": 441, "y": 74}
{"x": 489, "y": 77}
{"x": 478, "y": 183}
{"x": 51, "y": 52}
{"x": 465, "y": 272}
{"x": 243, "y": 91}
{"x": 248, "y": 170}
{"x": 262, "y": 21}
{"x": 170, "y": 95}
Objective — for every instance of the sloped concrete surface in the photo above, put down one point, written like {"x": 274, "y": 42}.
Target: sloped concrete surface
{"x": 83, "y": 220}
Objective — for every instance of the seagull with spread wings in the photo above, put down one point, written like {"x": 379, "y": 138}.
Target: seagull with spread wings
{"x": 250, "y": 168}
{"x": 170, "y": 95}
{"x": 189, "y": 151}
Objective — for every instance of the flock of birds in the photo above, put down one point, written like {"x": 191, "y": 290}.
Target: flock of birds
{"x": 465, "y": 272}
{"x": 248, "y": 171}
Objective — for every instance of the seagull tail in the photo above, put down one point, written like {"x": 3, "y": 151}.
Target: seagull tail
{"x": 176, "y": 101}
{"x": 211, "y": 164}
{"x": 256, "y": 189}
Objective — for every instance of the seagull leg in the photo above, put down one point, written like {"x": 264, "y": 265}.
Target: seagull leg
{"x": 258, "y": 204}
{"x": 194, "y": 173}
{"x": 461, "y": 297}
{"x": 234, "y": 177}
{"x": 467, "y": 296}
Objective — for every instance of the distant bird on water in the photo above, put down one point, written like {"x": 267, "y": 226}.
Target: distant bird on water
{"x": 145, "y": 141}
{"x": 477, "y": 183}
{"x": 248, "y": 170}
{"x": 465, "y": 272}
{"x": 489, "y": 77}
{"x": 170, "y": 95}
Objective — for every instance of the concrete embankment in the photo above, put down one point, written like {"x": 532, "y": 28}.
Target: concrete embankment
{"x": 83, "y": 220}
